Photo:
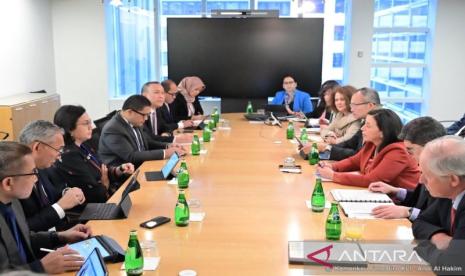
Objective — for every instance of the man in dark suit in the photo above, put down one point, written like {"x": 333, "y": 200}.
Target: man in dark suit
{"x": 46, "y": 206}
{"x": 155, "y": 126}
{"x": 415, "y": 134}
{"x": 442, "y": 224}
{"x": 362, "y": 102}
{"x": 165, "y": 111}
{"x": 19, "y": 247}
{"x": 123, "y": 139}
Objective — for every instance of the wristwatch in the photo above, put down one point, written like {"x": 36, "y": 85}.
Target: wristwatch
{"x": 410, "y": 210}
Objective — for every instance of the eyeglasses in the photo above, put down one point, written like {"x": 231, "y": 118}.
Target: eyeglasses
{"x": 60, "y": 150}
{"x": 288, "y": 82}
{"x": 34, "y": 172}
{"x": 140, "y": 113}
{"x": 357, "y": 104}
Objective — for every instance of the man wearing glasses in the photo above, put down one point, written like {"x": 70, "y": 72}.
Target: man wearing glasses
{"x": 165, "y": 111}
{"x": 19, "y": 247}
{"x": 155, "y": 126}
{"x": 362, "y": 102}
{"x": 123, "y": 140}
{"x": 45, "y": 207}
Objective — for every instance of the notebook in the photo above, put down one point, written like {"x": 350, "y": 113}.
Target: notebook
{"x": 359, "y": 203}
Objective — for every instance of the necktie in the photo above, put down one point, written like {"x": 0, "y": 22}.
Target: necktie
{"x": 452, "y": 220}
{"x": 43, "y": 198}
{"x": 11, "y": 220}
{"x": 154, "y": 123}
{"x": 139, "y": 141}
{"x": 169, "y": 113}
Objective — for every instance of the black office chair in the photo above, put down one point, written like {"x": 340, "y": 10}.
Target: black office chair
{"x": 4, "y": 135}
{"x": 99, "y": 124}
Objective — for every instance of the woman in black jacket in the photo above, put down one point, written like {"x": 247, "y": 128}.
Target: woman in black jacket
{"x": 80, "y": 165}
{"x": 187, "y": 106}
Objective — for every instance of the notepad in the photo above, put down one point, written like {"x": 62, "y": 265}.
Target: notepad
{"x": 359, "y": 203}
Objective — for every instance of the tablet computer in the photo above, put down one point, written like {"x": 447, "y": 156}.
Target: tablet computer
{"x": 93, "y": 265}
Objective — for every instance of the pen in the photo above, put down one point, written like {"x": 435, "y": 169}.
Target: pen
{"x": 46, "y": 250}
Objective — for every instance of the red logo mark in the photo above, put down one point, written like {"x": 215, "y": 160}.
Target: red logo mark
{"x": 326, "y": 249}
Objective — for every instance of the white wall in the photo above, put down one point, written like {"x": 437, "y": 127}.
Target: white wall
{"x": 447, "y": 99}
{"x": 357, "y": 60}
{"x": 26, "y": 47}
{"x": 80, "y": 54}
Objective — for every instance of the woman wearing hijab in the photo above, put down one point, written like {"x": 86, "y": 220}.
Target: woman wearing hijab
{"x": 187, "y": 105}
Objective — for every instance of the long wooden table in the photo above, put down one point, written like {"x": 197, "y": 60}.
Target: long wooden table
{"x": 252, "y": 209}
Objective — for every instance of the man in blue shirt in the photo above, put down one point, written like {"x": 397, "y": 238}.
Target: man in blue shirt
{"x": 296, "y": 101}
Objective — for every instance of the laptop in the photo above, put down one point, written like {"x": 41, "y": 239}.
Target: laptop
{"x": 93, "y": 265}
{"x": 107, "y": 211}
{"x": 278, "y": 110}
{"x": 165, "y": 171}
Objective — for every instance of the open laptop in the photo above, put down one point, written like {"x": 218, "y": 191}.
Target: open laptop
{"x": 107, "y": 211}
{"x": 278, "y": 110}
{"x": 165, "y": 171}
{"x": 93, "y": 265}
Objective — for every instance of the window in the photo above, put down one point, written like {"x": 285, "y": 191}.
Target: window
{"x": 399, "y": 55}
{"x": 137, "y": 42}
{"x": 130, "y": 46}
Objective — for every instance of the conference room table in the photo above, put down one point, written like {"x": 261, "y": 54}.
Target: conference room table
{"x": 252, "y": 209}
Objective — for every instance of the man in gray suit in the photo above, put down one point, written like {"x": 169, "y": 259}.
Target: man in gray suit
{"x": 18, "y": 246}
{"x": 123, "y": 140}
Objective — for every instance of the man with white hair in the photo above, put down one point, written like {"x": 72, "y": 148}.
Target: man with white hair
{"x": 442, "y": 224}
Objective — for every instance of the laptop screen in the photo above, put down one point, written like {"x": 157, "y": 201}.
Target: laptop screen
{"x": 93, "y": 266}
{"x": 169, "y": 166}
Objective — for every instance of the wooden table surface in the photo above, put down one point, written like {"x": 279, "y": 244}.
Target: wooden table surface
{"x": 252, "y": 209}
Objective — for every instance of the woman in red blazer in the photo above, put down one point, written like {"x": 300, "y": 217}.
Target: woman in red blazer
{"x": 383, "y": 157}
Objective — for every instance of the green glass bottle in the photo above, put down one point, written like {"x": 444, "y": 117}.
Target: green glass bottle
{"x": 290, "y": 131}
{"x": 195, "y": 147}
{"x": 314, "y": 155}
{"x": 207, "y": 134}
{"x": 304, "y": 136}
{"x": 216, "y": 116}
{"x": 318, "y": 196}
{"x": 211, "y": 125}
{"x": 249, "y": 108}
{"x": 333, "y": 223}
{"x": 183, "y": 176}
{"x": 133, "y": 258}
{"x": 181, "y": 211}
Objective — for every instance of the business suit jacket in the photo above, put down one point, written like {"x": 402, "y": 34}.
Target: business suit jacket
{"x": 76, "y": 170}
{"x": 167, "y": 118}
{"x": 118, "y": 144}
{"x": 392, "y": 165}
{"x": 179, "y": 108}
{"x": 418, "y": 198}
{"x": 42, "y": 218}
{"x": 9, "y": 254}
{"x": 148, "y": 129}
{"x": 347, "y": 148}
{"x": 302, "y": 102}
{"x": 436, "y": 219}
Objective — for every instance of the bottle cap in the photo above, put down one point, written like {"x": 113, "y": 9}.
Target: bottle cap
{"x": 187, "y": 272}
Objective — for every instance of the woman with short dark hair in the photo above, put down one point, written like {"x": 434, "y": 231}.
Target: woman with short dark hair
{"x": 383, "y": 157}
{"x": 80, "y": 166}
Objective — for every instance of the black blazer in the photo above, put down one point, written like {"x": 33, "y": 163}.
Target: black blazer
{"x": 118, "y": 144}
{"x": 347, "y": 148}
{"x": 418, "y": 198}
{"x": 9, "y": 255}
{"x": 435, "y": 219}
{"x": 77, "y": 171}
{"x": 167, "y": 117}
{"x": 148, "y": 129}
{"x": 42, "y": 218}
{"x": 179, "y": 108}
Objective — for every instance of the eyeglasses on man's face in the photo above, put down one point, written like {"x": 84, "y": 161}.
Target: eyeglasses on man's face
{"x": 60, "y": 150}
{"x": 358, "y": 104}
{"x": 141, "y": 114}
{"x": 34, "y": 172}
